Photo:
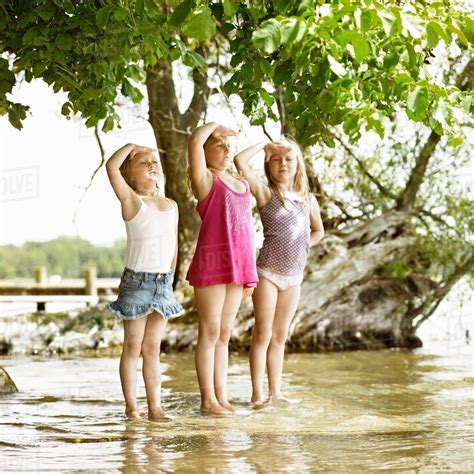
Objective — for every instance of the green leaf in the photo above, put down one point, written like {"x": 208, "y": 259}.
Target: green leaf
{"x": 66, "y": 109}
{"x": 258, "y": 117}
{"x": 328, "y": 140}
{"x": 265, "y": 66}
{"x": 365, "y": 21}
{"x": 459, "y": 34}
{"x": 108, "y": 124}
{"x": 267, "y": 38}
{"x": 375, "y": 124}
{"x": 306, "y": 7}
{"x": 360, "y": 45}
{"x": 102, "y": 16}
{"x": 200, "y": 25}
{"x": 180, "y": 13}
{"x": 418, "y": 102}
{"x": 46, "y": 12}
{"x": 267, "y": 98}
{"x": 16, "y": 115}
{"x": 351, "y": 125}
{"x": 29, "y": 36}
{"x": 120, "y": 14}
{"x": 5, "y": 87}
{"x": 194, "y": 60}
{"x": 283, "y": 6}
{"x": 229, "y": 7}
{"x": 466, "y": 104}
{"x": 390, "y": 61}
{"x": 455, "y": 141}
{"x": 390, "y": 22}
{"x": 39, "y": 67}
{"x": 139, "y": 7}
{"x": 326, "y": 101}
{"x": 63, "y": 42}
{"x": 434, "y": 33}
{"x": 282, "y": 74}
{"x": 292, "y": 31}
{"x": 336, "y": 67}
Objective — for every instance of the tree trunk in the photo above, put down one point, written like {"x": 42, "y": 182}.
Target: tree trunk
{"x": 172, "y": 129}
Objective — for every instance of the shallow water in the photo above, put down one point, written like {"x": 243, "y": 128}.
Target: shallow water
{"x": 352, "y": 411}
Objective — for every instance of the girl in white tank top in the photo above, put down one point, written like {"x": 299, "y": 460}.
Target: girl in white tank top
{"x": 145, "y": 300}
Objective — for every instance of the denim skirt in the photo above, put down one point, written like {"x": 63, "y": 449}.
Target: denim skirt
{"x": 141, "y": 293}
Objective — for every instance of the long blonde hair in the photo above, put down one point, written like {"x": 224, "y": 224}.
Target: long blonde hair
{"x": 300, "y": 180}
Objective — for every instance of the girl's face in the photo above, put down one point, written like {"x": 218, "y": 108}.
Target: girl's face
{"x": 218, "y": 153}
{"x": 145, "y": 170}
{"x": 283, "y": 167}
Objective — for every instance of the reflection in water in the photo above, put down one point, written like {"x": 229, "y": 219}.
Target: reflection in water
{"x": 353, "y": 411}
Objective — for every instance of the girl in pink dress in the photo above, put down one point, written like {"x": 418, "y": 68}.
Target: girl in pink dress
{"x": 223, "y": 267}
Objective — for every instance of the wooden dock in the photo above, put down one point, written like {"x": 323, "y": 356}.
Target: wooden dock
{"x": 90, "y": 290}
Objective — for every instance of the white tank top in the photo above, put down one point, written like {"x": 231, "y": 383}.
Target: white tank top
{"x": 151, "y": 239}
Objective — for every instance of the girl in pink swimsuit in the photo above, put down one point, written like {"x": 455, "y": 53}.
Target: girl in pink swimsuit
{"x": 291, "y": 225}
{"x": 223, "y": 267}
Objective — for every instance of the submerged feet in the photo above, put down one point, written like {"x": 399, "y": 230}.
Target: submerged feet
{"x": 275, "y": 400}
{"x": 155, "y": 414}
{"x": 216, "y": 409}
{"x": 158, "y": 414}
{"x": 132, "y": 413}
{"x": 225, "y": 403}
{"x": 280, "y": 401}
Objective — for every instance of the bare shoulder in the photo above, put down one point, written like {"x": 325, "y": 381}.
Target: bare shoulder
{"x": 174, "y": 204}
{"x": 313, "y": 202}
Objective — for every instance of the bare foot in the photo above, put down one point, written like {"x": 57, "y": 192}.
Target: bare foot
{"x": 227, "y": 405}
{"x": 280, "y": 401}
{"x": 257, "y": 399}
{"x": 132, "y": 413}
{"x": 158, "y": 414}
{"x": 215, "y": 409}
{"x": 260, "y": 403}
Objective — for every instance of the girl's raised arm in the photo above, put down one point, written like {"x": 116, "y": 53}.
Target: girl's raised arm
{"x": 128, "y": 198}
{"x": 317, "y": 228}
{"x": 119, "y": 185}
{"x": 201, "y": 178}
{"x": 257, "y": 187}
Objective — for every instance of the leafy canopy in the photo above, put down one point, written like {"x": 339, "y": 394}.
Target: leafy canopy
{"x": 335, "y": 62}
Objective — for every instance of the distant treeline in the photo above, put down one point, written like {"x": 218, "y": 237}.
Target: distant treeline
{"x": 65, "y": 256}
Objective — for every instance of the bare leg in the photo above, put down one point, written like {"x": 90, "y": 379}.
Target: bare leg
{"x": 285, "y": 310}
{"x": 264, "y": 302}
{"x": 209, "y": 303}
{"x": 134, "y": 331}
{"x": 232, "y": 300}
{"x": 154, "y": 330}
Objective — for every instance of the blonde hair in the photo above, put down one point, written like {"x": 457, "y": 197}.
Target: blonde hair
{"x": 300, "y": 180}
{"x": 125, "y": 171}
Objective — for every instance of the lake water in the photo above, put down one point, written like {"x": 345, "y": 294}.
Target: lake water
{"x": 352, "y": 411}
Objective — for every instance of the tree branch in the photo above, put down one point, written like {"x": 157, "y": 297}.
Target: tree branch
{"x": 102, "y": 161}
{"x": 428, "y": 307}
{"x": 383, "y": 190}
{"x": 200, "y": 96}
{"x": 406, "y": 200}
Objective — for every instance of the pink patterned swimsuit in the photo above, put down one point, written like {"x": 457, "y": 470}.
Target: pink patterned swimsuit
{"x": 224, "y": 251}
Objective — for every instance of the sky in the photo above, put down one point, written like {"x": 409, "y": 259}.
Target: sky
{"x": 45, "y": 167}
